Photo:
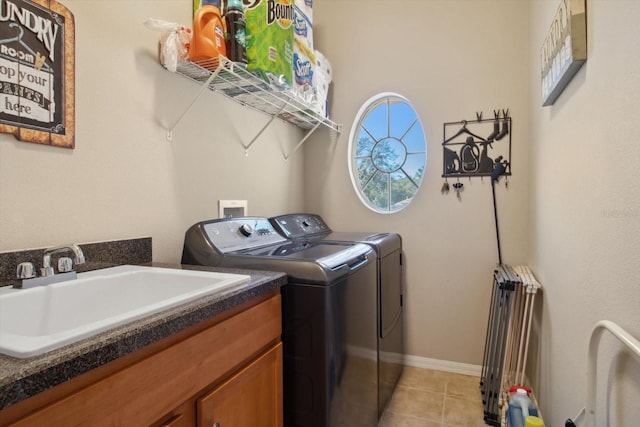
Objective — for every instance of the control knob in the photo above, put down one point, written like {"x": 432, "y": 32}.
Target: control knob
{"x": 246, "y": 230}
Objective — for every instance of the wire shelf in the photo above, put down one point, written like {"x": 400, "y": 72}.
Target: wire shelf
{"x": 235, "y": 82}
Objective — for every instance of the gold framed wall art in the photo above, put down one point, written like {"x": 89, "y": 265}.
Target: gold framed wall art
{"x": 564, "y": 49}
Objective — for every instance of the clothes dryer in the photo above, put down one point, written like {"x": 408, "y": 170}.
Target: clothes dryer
{"x": 388, "y": 247}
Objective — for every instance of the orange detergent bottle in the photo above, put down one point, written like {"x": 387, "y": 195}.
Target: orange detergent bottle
{"x": 208, "y": 34}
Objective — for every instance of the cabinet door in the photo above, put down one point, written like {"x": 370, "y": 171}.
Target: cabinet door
{"x": 252, "y": 397}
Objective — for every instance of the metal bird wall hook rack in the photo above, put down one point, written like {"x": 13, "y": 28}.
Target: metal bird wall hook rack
{"x": 467, "y": 153}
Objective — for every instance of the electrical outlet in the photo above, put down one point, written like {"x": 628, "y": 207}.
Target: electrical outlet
{"x": 232, "y": 208}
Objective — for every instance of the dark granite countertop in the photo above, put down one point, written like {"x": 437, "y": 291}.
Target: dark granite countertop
{"x": 23, "y": 378}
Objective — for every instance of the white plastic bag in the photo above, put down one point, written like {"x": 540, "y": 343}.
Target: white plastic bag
{"x": 174, "y": 41}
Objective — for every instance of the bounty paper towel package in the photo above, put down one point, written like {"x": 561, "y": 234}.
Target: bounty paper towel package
{"x": 269, "y": 41}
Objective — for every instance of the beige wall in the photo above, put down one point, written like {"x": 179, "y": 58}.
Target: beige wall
{"x": 572, "y": 209}
{"x": 124, "y": 179}
{"x": 451, "y": 59}
{"x": 585, "y": 212}
{"x": 578, "y": 225}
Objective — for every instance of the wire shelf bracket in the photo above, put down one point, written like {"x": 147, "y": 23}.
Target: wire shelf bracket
{"x": 248, "y": 146}
{"x": 302, "y": 141}
{"x": 193, "y": 101}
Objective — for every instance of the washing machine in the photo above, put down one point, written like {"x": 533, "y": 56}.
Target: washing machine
{"x": 388, "y": 247}
{"x": 328, "y": 315}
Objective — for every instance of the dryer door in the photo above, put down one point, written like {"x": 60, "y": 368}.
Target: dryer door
{"x": 390, "y": 331}
{"x": 390, "y": 293}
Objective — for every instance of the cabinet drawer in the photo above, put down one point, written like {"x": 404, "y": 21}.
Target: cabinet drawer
{"x": 252, "y": 397}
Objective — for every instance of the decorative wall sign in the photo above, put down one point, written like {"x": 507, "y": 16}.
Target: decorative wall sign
{"x": 37, "y": 61}
{"x": 564, "y": 50}
{"x": 476, "y": 147}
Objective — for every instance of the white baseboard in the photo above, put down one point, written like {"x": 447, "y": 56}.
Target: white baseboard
{"x": 417, "y": 361}
{"x": 362, "y": 352}
{"x": 443, "y": 365}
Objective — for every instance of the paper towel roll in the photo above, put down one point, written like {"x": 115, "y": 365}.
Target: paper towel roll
{"x": 322, "y": 79}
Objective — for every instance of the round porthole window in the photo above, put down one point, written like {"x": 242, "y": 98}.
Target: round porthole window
{"x": 387, "y": 153}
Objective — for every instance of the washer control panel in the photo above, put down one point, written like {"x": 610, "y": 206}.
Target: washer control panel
{"x": 295, "y": 226}
{"x": 236, "y": 234}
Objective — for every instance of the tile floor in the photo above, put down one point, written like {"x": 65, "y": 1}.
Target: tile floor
{"x": 428, "y": 398}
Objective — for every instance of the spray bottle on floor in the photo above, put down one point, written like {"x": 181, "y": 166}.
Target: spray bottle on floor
{"x": 520, "y": 407}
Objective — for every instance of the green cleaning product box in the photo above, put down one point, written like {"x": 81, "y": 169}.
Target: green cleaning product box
{"x": 269, "y": 40}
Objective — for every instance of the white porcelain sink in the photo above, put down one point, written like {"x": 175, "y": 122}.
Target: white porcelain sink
{"x": 34, "y": 321}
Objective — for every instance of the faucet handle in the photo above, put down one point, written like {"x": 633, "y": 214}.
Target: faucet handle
{"x": 65, "y": 264}
{"x": 25, "y": 270}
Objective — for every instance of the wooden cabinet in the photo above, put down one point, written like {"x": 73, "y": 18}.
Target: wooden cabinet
{"x": 249, "y": 398}
{"x": 180, "y": 420}
{"x": 229, "y": 366}
{"x": 182, "y": 416}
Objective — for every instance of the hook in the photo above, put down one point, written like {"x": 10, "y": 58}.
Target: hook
{"x": 458, "y": 186}
{"x": 445, "y": 187}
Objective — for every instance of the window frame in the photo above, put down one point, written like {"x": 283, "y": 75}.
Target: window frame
{"x": 367, "y": 107}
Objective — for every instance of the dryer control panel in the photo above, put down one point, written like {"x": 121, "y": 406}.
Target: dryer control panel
{"x": 236, "y": 234}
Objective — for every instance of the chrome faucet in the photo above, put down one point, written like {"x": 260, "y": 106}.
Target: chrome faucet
{"x": 27, "y": 276}
{"x": 47, "y": 270}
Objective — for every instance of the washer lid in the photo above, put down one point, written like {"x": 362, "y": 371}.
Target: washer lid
{"x": 329, "y": 255}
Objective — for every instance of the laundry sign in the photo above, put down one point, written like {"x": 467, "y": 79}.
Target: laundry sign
{"x": 37, "y": 50}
